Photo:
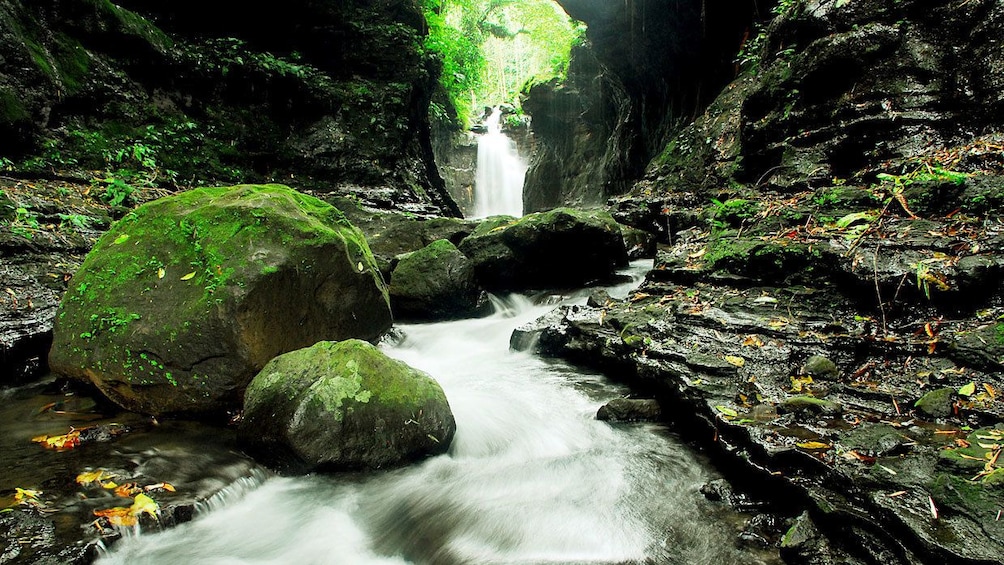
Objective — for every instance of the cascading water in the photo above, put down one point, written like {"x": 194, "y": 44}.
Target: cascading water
{"x": 498, "y": 187}
{"x": 531, "y": 477}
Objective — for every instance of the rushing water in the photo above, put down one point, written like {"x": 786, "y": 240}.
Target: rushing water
{"x": 531, "y": 477}
{"x": 498, "y": 187}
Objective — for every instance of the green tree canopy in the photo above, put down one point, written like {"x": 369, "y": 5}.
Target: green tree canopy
{"x": 491, "y": 48}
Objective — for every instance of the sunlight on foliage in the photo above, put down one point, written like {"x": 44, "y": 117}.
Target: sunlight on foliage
{"x": 490, "y": 49}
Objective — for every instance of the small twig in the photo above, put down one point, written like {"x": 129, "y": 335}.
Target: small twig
{"x": 878, "y": 290}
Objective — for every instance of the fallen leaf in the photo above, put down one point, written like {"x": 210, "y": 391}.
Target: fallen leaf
{"x": 990, "y": 390}
{"x": 727, "y": 412}
{"x": 800, "y": 384}
{"x": 813, "y": 445}
{"x": 934, "y": 509}
{"x": 897, "y": 493}
{"x": 26, "y": 496}
{"x": 92, "y": 477}
{"x": 118, "y": 516}
{"x": 967, "y": 390}
{"x": 143, "y": 504}
{"x": 852, "y": 454}
{"x": 121, "y": 239}
{"x": 127, "y": 517}
{"x": 189, "y": 276}
{"x": 126, "y": 490}
{"x": 752, "y": 341}
{"x": 161, "y": 272}
{"x": 160, "y": 486}
{"x": 66, "y": 441}
{"x": 734, "y": 360}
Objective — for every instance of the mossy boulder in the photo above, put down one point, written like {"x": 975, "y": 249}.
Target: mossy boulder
{"x": 561, "y": 247}
{"x": 435, "y": 282}
{"x": 937, "y": 403}
{"x": 186, "y": 298}
{"x": 344, "y": 405}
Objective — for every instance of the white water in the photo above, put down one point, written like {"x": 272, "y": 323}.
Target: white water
{"x": 498, "y": 187}
{"x": 530, "y": 478}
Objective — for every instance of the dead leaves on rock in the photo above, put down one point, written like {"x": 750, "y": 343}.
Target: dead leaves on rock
{"x": 122, "y": 516}
{"x": 65, "y": 441}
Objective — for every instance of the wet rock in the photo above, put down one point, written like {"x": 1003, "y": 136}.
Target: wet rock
{"x": 630, "y": 410}
{"x": 598, "y": 299}
{"x": 435, "y": 283}
{"x": 185, "y": 299}
{"x": 27, "y": 536}
{"x": 533, "y": 252}
{"x": 809, "y": 404}
{"x": 937, "y": 403}
{"x": 391, "y": 234}
{"x": 761, "y": 531}
{"x": 344, "y": 405}
{"x": 819, "y": 367}
{"x": 877, "y": 440}
{"x": 982, "y": 348}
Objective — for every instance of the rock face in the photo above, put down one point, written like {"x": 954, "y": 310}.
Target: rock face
{"x": 333, "y": 94}
{"x": 833, "y": 91}
{"x": 344, "y": 405}
{"x": 647, "y": 66}
{"x": 630, "y": 410}
{"x": 186, "y": 298}
{"x": 536, "y": 251}
{"x": 434, "y": 283}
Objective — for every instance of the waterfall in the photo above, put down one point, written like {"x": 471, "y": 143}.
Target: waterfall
{"x": 498, "y": 185}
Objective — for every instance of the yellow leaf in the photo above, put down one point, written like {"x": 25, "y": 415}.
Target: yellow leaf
{"x": 143, "y": 504}
{"x": 26, "y": 496}
{"x": 189, "y": 276}
{"x": 92, "y": 476}
{"x": 814, "y": 445}
{"x": 733, "y": 360}
{"x": 752, "y": 341}
{"x": 68, "y": 440}
{"x": 161, "y": 272}
{"x": 109, "y": 485}
{"x": 800, "y": 384}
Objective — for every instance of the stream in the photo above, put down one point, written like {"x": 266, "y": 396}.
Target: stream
{"x": 531, "y": 477}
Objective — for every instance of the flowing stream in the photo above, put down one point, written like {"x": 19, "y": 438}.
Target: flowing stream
{"x": 498, "y": 184}
{"x": 531, "y": 477}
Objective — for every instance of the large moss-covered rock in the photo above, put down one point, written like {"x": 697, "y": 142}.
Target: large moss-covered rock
{"x": 561, "y": 247}
{"x": 435, "y": 282}
{"x": 186, "y": 298}
{"x": 344, "y": 405}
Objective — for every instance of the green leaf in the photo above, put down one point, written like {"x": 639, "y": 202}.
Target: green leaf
{"x": 967, "y": 390}
{"x": 850, "y": 219}
{"x": 121, "y": 239}
{"x": 727, "y": 412}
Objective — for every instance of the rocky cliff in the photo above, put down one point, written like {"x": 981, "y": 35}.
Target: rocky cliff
{"x": 646, "y": 68}
{"x": 332, "y": 95}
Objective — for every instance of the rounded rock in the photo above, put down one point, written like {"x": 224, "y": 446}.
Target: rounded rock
{"x": 344, "y": 405}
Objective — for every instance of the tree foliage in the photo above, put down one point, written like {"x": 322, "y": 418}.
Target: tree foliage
{"x": 491, "y": 48}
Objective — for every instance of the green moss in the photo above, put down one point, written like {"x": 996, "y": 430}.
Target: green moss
{"x": 767, "y": 261}
{"x": 134, "y": 24}
{"x": 999, "y": 333}
{"x": 11, "y": 108}
{"x": 72, "y": 61}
